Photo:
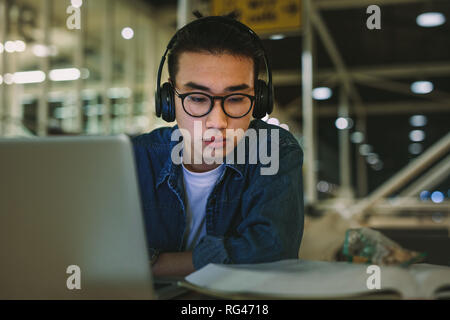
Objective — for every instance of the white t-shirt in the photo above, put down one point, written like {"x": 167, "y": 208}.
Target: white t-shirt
{"x": 197, "y": 187}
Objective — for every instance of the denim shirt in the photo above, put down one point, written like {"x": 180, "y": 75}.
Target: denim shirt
{"x": 250, "y": 218}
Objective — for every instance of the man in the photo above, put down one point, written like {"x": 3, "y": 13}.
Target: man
{"x": 203, "y": 211}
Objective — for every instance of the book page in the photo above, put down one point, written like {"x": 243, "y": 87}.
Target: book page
{"x": 430, "y": 278}
{"x": 301, "y": 279}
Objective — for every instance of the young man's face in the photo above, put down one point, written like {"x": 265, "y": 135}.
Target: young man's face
{"x": 216, "y": 75}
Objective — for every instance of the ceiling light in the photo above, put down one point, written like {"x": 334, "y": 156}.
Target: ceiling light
{"x": 85, "y": 73}
{"x": 424, "y": 195}
{"x": 323, "y": 186}
{"x": 322, "y": 93}
{"x": 430, "y": 19}
{"x": 20, "y": 45}
{"x": 365, "y": 149}
{"x": 415, "y": 148}
{"x": 418, "y": 121}
{"x": 10, "y": 46}
{"x": 422, "y": 87}
{"x": 378, "y": 166}
{"x": 357, "y": 137}
{"x": 40, "y": 50}
{"x": 341, "y": 123}
{"x": 277, "y": 37}
{"x": 29, "y": 77}
{"x": 417, "y": 135}
{"x": 437, "y": 197}
{"x": 64, "y": 74}
{"x": 372, "y": 158}
{"x": 8, "y": 78}
{"x": 127, "y": 33}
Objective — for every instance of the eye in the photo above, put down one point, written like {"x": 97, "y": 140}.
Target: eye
{"x": 197, "y": 99}
{"x": 235, "y": 99}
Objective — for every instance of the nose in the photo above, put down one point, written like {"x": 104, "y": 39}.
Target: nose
{"x": 216, "y": 119}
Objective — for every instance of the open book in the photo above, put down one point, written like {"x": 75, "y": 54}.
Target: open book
{"x": 302, "y": 279}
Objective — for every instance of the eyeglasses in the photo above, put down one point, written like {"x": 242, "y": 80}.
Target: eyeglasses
{"x": 199, "y": 104}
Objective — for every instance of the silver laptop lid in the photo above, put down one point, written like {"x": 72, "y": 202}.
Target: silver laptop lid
{"x": 69, "y": 202}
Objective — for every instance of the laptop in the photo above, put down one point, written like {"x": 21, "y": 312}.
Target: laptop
{"x": 71, "y": 225}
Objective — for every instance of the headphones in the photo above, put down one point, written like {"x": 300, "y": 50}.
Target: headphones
{"x": 165, "y": 99}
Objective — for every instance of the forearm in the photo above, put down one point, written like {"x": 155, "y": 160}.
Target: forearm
{"x": 173, "y": 264}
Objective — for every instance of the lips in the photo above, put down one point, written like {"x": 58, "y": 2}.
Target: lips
{"x": 215, "y": 141}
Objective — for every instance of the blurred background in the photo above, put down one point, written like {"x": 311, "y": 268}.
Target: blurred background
{"x": 365, "y": 90}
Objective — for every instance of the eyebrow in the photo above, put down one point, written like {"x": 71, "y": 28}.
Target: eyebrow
{"x": 197, "y": 86}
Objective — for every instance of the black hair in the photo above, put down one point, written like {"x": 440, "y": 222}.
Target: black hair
{"x": 215, "y": 37}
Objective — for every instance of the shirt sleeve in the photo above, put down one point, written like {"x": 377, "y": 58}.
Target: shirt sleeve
{"x": 272, "y": 227}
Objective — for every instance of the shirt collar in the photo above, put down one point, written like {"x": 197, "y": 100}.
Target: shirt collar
{"x": 169, "y": 168}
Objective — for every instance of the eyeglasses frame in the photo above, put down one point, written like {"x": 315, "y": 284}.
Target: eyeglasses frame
{"x": 182, "y": 96}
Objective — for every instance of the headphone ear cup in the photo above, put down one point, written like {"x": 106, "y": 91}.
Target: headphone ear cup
{"x": 262, "y": 100}
{"x": 167, "y": 103}
{"x": 158, "y": 102}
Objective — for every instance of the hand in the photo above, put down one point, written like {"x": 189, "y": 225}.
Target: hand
{"x": 173, "y": 264}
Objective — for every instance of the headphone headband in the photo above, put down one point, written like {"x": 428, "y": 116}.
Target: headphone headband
{"x": 230, "y": 21}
